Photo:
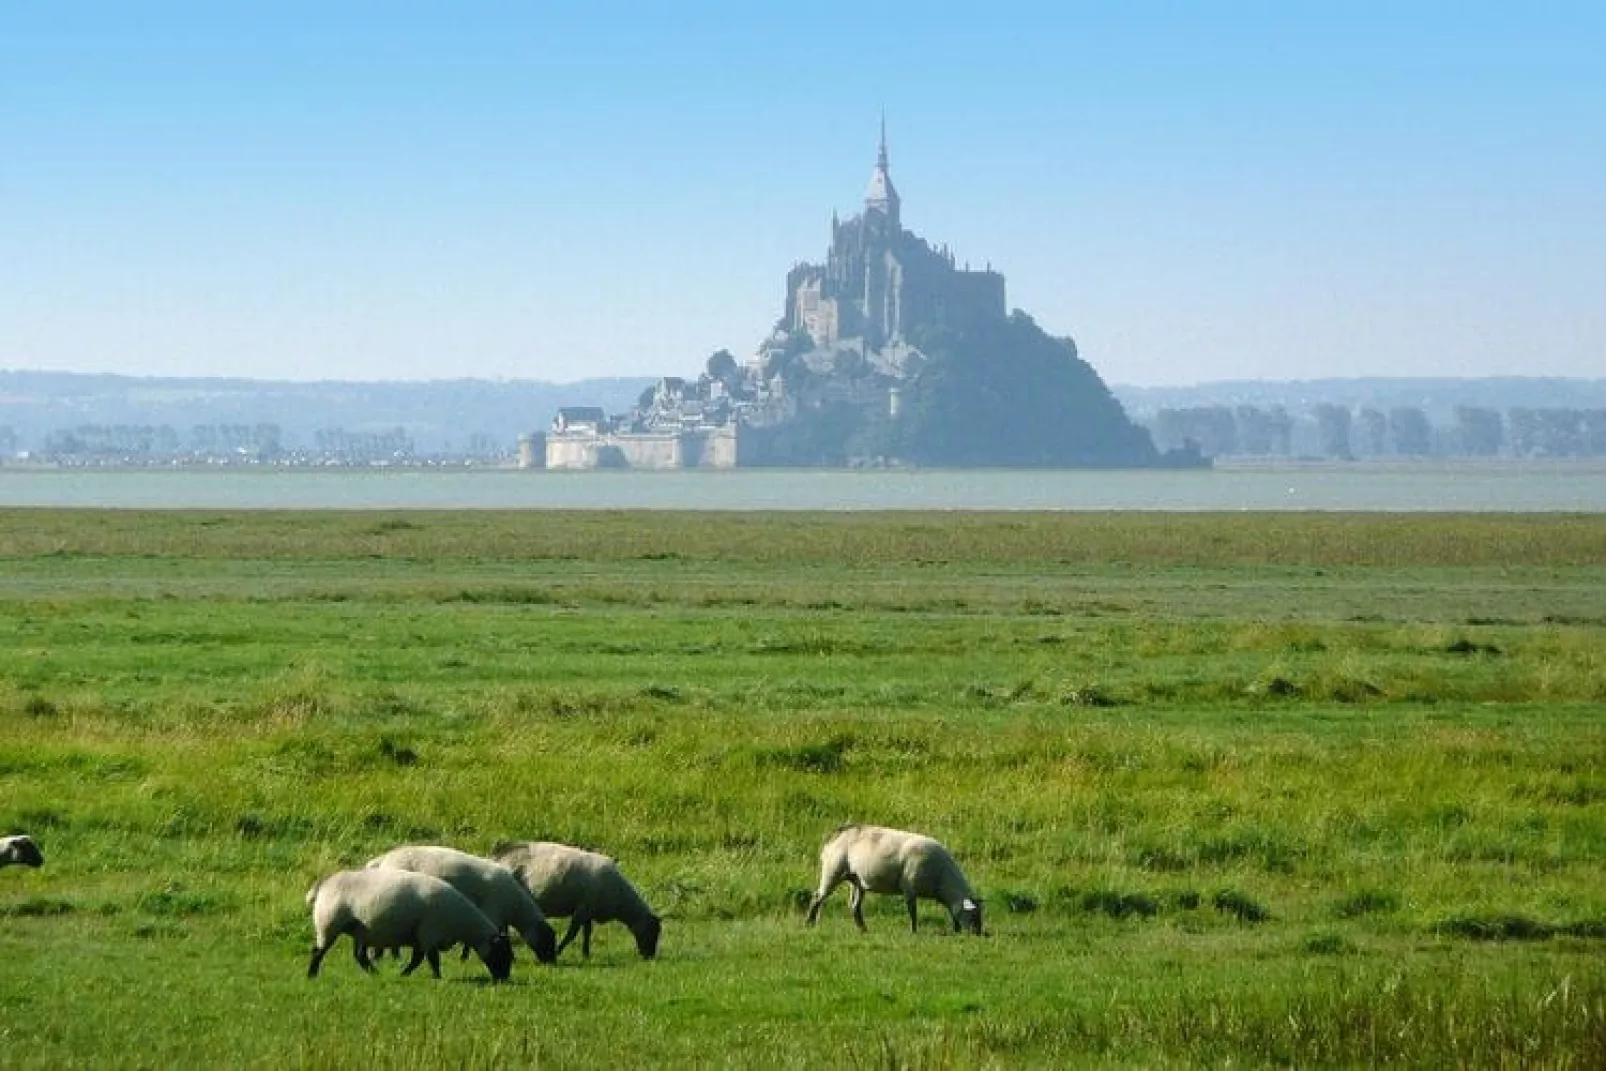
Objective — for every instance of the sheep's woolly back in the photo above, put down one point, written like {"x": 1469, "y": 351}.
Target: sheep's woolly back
{"x": 567, "y": 880}
{"x": 490, "y": 886}
{"x": 398, "y": 908}
{"x": 894, "y": 860}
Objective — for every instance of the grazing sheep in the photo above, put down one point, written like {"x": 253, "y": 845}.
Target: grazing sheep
{"x": 389, "y": 909}
{"x": 583, "y": 885}
{"x": 20, "y": 850}
{"x": 874, "y": 859}
{"x": 489, "y": 886}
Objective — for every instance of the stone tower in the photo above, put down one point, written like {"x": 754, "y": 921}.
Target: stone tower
{"x": 879, "y": 282}
{"x": 881, "y": 196}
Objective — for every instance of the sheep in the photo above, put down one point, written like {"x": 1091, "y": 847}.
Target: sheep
{"x": 489, "y": 886}
{"x": 875, "y": 859}
{"x": 20, "y": 850}
{"x": 586, "y": 886}
{"x": 387, "y": 909}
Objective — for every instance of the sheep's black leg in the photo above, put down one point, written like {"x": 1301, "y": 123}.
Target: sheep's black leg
{"x": 418, "y": 957}
{"x": 317, "y": 958}
{"x": 435, "y": 963}
{"x": 359, "y": 949}
{"x": 914, "y": 921}
{"x": 585, "y": 940}
{"x": 827, "y": 887}
{"x": 575, "y": 922}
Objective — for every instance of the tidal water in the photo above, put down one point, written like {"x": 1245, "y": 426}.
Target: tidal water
{"x": 1569, "y": 486}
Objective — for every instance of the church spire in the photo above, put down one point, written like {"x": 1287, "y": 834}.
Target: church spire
{"x": 882, "y": 196}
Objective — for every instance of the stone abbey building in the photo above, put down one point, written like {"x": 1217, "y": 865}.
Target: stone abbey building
{"x": 879, "y": 281}
{"x": 852, "y": 317}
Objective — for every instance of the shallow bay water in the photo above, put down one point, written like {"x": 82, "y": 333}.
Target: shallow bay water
{"x": 1562, "y": 486}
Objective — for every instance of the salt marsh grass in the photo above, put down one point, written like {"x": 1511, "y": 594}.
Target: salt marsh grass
{"x": 1324, "y": 790}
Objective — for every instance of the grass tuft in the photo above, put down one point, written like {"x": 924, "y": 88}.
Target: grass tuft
{"x": 1088, "y": 695}
{"x": 1118, "y": 905}
{"x": 1328, "y": 944}
{"x": 1241, "y": 906}
{"x": 1367, "y": 902}
{"x": 1465, "y": 646}
{"x": 1276, "y": 688}
{"x": 1345, "y": 689}
{"x": 1019, "y": 903}
{"x": 826, "y": 757}
{"x": 1496, "y": 928}
{"x": 398, "y": 753}
{"x": 503, "y": 596}
{"x": 37, "y": 907}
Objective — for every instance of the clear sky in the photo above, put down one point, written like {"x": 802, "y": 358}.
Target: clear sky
{"x": 1195, "y": 191}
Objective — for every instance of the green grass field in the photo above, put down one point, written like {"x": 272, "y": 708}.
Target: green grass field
{"x": 1249, "y": 790}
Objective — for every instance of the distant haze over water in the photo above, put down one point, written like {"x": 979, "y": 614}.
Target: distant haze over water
{"x": 1406, "y": 487}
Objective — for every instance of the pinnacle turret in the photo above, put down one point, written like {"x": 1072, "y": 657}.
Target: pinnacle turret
{"x": 882, "y": 196}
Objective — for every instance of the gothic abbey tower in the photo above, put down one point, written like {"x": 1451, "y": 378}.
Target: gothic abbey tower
{"x": 880, "y": 282}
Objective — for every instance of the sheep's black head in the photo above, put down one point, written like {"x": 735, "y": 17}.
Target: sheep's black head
{"x": 969, "y": 916}
{"x": 647, "y": 937}
{"x": 545, "y": 943}
{"x": 499, "y": 957}
{"x": 22, "y": 850}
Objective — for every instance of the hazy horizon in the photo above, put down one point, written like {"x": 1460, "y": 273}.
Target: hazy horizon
{"x": 395, "y": 192}
{"x": 647, "y": 377}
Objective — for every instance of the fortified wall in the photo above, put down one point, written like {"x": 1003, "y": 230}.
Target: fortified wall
{"x": 713, "y": 448}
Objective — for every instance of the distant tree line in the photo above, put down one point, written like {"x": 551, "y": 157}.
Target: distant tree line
{"x": 101, "y": 444}
{"x": 152, "y": 441}
{"x": 1336, "y": 431}
{"x": 393, "y": 444}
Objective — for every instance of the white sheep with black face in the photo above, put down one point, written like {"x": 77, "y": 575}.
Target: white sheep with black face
{"x": 20, "y": 850}
{"x": 489, "y": 886}
{"x": 393, "y": 909}
{"x": 880, "y": 860}
{"x": 587, "y": 887}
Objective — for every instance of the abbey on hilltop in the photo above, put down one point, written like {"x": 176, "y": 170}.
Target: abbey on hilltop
{"x": 887, "y": 353}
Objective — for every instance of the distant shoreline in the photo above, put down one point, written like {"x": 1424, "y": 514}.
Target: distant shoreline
{"x": 1244, "y": 463}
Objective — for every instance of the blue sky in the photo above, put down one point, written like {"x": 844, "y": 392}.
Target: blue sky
{"x": 1195, "y": 191}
